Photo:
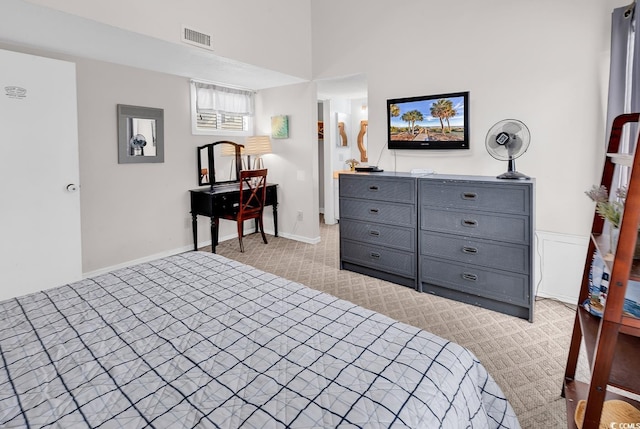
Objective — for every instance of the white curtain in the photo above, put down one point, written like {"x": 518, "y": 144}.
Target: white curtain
{"x": 218, "y": 99}
{"x": 624, "y": 79}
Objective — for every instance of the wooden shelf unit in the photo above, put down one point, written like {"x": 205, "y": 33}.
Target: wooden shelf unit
{"x": 612, "y": 342}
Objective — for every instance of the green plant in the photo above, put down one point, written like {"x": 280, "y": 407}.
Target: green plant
{"x": 607, "y": 209}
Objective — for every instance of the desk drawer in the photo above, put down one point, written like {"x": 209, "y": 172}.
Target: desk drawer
{"x": 378, "y": 211}
{"x": 498, "y": 285}
{"x": 401, "y": 190}
{"x": 476, "y": 196}
{"x": 490, "y": 254}
{"x": 503, "y": 227}
{"x": 375, "y": 233}
{"x": 379, "y": 258}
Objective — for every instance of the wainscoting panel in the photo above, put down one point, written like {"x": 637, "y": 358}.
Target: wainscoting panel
{"x": 559, "y": 265}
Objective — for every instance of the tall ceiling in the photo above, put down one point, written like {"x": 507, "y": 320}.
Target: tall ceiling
{"x": 33, "y": 26}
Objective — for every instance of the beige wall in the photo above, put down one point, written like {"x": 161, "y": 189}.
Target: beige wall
{"x": 132, "y": 211}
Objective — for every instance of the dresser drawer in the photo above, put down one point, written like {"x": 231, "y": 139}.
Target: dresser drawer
{"x": 502, "y": 227}
{"x": 490, "y": 254}
{"x": 476, "y": 196}
{"x": 378, "y": 211}
{"x": 379, "y": 258}
{"x": 378, "y": 188}
{"x": 499, "y": 285}
{"x": 379, "y": 234}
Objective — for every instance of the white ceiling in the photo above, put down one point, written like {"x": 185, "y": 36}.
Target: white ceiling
{"x": 30, "y": 25}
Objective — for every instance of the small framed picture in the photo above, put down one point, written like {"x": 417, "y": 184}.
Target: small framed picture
{"x": 280, "y": 127}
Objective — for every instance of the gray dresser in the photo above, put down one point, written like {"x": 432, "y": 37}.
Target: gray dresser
{"x": 475, "y": 241}
{"x": 467, "y": 238}
{"x": 378, "y": 226}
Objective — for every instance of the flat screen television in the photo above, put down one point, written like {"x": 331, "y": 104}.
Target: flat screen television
{"x": 438, "y": 121}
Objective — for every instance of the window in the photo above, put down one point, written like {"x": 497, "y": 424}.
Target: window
{"x": 220, "y": 110}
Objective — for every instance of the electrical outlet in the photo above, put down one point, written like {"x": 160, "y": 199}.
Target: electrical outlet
{"x": 300, "y": 216}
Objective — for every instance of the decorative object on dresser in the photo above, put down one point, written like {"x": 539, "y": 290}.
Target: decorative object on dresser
{"x": 352, "y": 162}
{"x": 607, "y": 318}
{"x": 467, "y": 238}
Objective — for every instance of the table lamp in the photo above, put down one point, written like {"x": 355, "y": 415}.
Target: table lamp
{"x": 257, "y": 145}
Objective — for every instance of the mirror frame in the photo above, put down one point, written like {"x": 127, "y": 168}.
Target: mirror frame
{"x": 211, "y": 163}
{"x": 125, "y": 113}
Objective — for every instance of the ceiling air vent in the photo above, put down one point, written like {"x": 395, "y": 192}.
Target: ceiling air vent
{"x": 196, "y": 38}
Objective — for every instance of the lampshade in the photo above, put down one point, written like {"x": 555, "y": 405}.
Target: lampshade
{"x": 257, "y": 145}
{"x": 230, "y": 150}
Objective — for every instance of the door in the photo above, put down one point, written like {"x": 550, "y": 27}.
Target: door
{"x": 39, "y": 175}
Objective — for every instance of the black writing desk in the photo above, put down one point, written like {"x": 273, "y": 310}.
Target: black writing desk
{"x": 221, "y": 198}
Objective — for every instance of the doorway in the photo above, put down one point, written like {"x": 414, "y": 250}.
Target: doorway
{"x": 340, "y": 110}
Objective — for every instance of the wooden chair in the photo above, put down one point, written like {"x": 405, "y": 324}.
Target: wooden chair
{"x": 251, "y": 203}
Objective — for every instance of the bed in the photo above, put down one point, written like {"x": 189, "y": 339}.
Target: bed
{"x": 197, "y": 340}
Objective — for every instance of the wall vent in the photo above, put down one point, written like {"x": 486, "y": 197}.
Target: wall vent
{"x": 196, "y": 38}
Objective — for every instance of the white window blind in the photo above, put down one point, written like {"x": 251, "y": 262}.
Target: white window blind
{"x": 218, "y": 108}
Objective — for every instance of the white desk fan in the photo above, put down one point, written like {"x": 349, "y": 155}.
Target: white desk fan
{"x": 506, "y": 141}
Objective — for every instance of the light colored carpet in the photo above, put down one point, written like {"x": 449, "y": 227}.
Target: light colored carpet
{"x": 526, "y": 359}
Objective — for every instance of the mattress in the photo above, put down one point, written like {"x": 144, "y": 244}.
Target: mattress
{"x": 197, "y": 340}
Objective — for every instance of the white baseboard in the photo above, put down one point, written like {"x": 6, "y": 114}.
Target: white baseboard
{"x": 559, "y": 265}
{"x": 190, "y": 247}
{"x": 307, "y": 240}
{"x": 137, "y": 261}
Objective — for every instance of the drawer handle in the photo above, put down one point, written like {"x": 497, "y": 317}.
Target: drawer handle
{"x": 373, "y": 211}
{"x": 374, "y": 233}
{"x": 470, "y": 222}
{"x": 469, "y": 277}
{"x": 373, "y": 188}
{"x": 375, "y": 255}
{"x": 469, "y": 195}
{"x": 470, "y": 250}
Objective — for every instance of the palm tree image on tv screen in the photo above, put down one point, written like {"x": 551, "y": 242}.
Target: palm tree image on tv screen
{"x": 424, "y": 119}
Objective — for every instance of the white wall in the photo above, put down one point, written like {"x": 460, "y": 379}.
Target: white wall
{"x": 294, "y": 161}
{"x": 541, "y": 62}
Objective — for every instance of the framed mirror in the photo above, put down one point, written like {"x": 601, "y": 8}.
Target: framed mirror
{"x": 217, "y": 161}
{"x": 140, "y": 134}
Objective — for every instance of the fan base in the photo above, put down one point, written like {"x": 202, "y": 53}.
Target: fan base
{"x": 513, "y": 175}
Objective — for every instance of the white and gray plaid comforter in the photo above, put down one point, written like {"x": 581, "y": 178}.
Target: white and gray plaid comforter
{"x": 200, "y": 341}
